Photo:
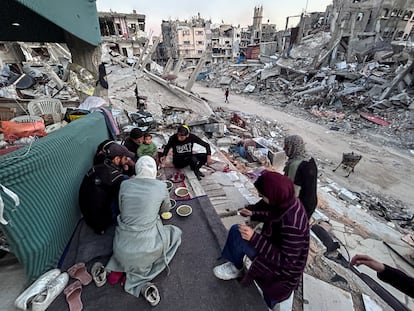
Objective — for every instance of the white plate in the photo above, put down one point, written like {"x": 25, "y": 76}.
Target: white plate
{"x": 181, "y": 192}
{"x": 184, "y": 210}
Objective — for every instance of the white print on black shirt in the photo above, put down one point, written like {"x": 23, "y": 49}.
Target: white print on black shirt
{"x": 184, "y": 148}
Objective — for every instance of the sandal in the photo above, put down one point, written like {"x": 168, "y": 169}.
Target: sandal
{"x": 73, "y": 296}
{"x": 98, "y": 274}
{"x": 151, "y": 294}
{"x": 78, "y": 271}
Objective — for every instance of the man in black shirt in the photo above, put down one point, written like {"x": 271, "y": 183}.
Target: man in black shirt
{"x": 182, "y": 144}
{"x": 98, "y": 193}
{"x": 136, "y": 138}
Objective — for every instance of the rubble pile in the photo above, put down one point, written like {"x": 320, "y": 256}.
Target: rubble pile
{"x": 373, "y": 96}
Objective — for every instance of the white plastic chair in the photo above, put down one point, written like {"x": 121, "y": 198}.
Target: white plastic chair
{"x": 41, "y": 106}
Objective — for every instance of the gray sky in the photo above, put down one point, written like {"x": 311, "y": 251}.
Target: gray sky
{"x": 234, "y": 12}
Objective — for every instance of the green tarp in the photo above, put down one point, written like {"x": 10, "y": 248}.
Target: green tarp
{"x": 46, "y": 176}
{"x": 78, "y": 17}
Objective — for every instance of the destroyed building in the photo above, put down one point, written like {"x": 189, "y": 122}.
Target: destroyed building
{"x": 360, "y": 26}
{"x": 189, "y": 40}
{"x": 124, "y": 33}
{"x": 328, "y": 97}
{"x": 225, "y": 42}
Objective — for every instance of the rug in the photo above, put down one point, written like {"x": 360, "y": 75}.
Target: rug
{"x": 190, "y": 284}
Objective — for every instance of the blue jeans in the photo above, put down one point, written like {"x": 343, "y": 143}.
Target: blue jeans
{"x": 235, "y": 249}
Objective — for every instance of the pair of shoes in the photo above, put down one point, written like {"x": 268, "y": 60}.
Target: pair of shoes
{"x": 73, "y": 296}
{"x": 43, "y": 300}
{"x": 78, "y": 271}
{"x": 98, "y": 274}
{"x": 151, "y": 294}
{"x": 227, "y": 271}
{"x": 37, "y": 287}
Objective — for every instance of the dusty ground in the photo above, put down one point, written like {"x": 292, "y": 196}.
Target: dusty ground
{"x": 383, "y": 170}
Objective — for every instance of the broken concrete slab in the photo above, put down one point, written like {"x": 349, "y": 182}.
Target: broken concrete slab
{"x": 319, "y": 295}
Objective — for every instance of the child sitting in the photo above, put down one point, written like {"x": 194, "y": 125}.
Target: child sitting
{"x": 147, "y": 147}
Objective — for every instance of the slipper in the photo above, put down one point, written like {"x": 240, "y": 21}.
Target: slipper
{"x": 115, "y": 277}
{"x": 78, "y": 271}
{"x": 151, "y": 294}
{"x": 73, "y": 296}
{"x": 98, "y": 274}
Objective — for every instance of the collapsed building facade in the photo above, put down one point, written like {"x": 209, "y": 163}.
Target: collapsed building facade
{"x": 124, "y": 33}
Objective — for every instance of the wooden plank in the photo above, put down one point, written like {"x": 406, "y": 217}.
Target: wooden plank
{"x": 373, "y": 119}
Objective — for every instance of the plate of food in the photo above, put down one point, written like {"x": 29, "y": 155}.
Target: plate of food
{"x": 181, "y": 192}
{"x": 184, "y": 210}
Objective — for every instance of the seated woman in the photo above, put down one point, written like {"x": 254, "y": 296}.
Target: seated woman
{"x": 302, "y": 171}
{"x": 182, "y": 144}
{"x": 143, "y": 246}
{"x": 279, "y": 252}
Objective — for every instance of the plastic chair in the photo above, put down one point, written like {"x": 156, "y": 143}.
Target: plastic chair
{"x": 41, "y": 106}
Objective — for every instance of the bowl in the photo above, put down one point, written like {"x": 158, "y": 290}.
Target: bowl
{"x": 184, "y": 210}
{"x": 173, "y": 203}
{"x": 181, "y": 192}
{"x": 169, "y": 184}
{"x": 166, "y": 215}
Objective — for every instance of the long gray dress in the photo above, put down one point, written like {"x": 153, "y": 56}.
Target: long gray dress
{"x": 143, "y": 246}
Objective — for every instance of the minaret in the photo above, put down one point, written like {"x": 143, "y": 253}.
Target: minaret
{"x": 256, "y": 35}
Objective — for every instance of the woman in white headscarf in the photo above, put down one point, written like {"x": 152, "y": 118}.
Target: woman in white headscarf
{"x": 143, "y": 246}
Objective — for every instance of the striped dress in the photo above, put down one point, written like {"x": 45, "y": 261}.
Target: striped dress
{"x": 282, "y": 249}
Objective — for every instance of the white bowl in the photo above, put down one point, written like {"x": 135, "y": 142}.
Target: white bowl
{"x": 181, "y": 192}
{"x": 173, "y": 203}
{"x": 184, "y": 210}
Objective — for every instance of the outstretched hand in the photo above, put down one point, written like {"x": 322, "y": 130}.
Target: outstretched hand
{"x": 367, "y": 261}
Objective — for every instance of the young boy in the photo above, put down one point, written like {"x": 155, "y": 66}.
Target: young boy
{"x": 147, "y": 147}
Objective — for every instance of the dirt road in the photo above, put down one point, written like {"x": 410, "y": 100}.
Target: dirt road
{"x": 382, "y": 170}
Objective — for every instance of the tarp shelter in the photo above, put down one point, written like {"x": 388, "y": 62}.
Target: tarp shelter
{"x": 46, "y": 177}
{"x": 47, "y": 21}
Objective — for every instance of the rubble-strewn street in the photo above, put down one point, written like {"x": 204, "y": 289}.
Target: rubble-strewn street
{"x": 337, "y": 79}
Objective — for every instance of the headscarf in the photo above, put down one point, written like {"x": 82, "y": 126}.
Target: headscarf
{"x": 294, "y": 147}
{"x": 146, "y": 168}
{"x": 277, "y": 188}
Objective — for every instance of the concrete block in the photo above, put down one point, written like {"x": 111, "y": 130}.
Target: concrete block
{"x": 347, "y": 196}
{"x": 214, "y": 128}
{"x": 370, "y": 304}
{"x": 408, "y": 79}
{"x": 319, "y": 295}
{"x": 225, "y": 141}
